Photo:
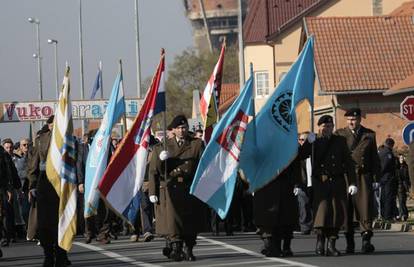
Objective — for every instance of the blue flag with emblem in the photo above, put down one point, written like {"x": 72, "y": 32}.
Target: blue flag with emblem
{"x": 271, "y": 138}
{"x": 99, "y": 150}
{"x": 216, "y": 174}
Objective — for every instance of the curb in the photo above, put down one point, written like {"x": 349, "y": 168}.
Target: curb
{"x": 396, "y": 227}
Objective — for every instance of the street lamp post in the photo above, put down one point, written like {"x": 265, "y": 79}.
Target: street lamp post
{"x": 84, "y": 123}
{"x": 137, "y": 55}
{"x": 55, "y": 43}
{"x": 36, "y": 22}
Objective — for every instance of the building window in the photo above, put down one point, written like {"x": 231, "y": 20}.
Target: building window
{"x": 281, "y": 76}
{"x": 262, "y": 83}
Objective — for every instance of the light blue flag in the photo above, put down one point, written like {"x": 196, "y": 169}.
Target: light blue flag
{"x": 99, "y": 151}
{"x": 271, "y": 138}
{"x": 216, "y": 174}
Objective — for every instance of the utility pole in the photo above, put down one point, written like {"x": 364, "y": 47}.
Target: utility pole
{"x": 137, "y": 54}
{"x": 203, "y": 14}
{"x": 241, "y": 46}
{"x": 81, "y": 63}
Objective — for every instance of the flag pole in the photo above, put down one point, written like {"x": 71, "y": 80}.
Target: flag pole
{"x": 124, "y": 115}
{"x": 164, "y": 122}
{"x": 312, "y": 130}
{"x": 101, "y": 78}
{"x": 252, "y": 99}
{"x": 216, "y": 94}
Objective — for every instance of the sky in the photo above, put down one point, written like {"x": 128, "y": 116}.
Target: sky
{"x": 108, "y": 35}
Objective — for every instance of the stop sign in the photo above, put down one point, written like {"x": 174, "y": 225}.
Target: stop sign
{"x": 407, "y": 108}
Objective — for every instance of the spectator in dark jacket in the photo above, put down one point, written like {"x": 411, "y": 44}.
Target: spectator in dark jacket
{"x": 6, "y": 193}
{"x": 404, "y": 184}
{"x": 9, "y": 203}
{"x": 388, "y": 180}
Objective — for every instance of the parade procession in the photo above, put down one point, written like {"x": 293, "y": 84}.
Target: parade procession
{"x": 283, "y": 135}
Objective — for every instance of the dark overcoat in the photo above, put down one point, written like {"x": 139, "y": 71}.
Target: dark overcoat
{"x": 47, "y": 200}
{"x": 410, "y": 163}
{"x": 177, "y": 213}
{"x": 332, "y": 171}
{"x": 363, "y": 148}
{"x": 275, "y": 205}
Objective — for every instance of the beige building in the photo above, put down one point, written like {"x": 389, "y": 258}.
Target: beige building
{"x": 272, "y": 32}
{"x": 357, "y": 60}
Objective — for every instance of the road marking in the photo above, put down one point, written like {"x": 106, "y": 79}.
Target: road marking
{"x": 115, "y": 256}
{"x": 252, "y": 253}
{"x": 245, "y": 262}
{"x": 160, "y": 253}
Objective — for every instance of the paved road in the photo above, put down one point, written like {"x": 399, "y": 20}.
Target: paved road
{"x": 393, "y": 249}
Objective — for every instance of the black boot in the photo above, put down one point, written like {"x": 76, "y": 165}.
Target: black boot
{"x": 367, "y": 247}
{"x": 350, "y": 243}
{"x": 277, "y": 251}
{"x": 271, "y": 247}
{"x": 166, "y": 251}
{"x": 177, "y": 253}
{"x": 62, "y": 258}
{"x": 49, "y": 256}
{"x": 287, "y": 251}
{"x": 320, "y": 245}
{"x": 331, "y": 250}
{"x": 1, "y": 253}
{"x": 188, "y": 254}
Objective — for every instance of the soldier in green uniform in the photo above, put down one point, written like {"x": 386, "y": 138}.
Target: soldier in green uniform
{"x": 178, "y": 214}
{"x": 362, "y": 143}
{"x": 47, "y": 201}
{"x": 333, "y": 177}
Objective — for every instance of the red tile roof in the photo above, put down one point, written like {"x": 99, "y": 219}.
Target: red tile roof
{"x": 405, "y": 9}
{"x": 267, "y": 19}
{"x": 229, "y": 93}
{"x": 360, "y": 54}
{"x": 405, "y": 86}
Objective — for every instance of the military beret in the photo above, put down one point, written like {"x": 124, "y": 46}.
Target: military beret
{"x": 353, "y": 112}
{"x": 177, "y": 121}
{"x": 50, "y": 119}
{"x": 325, "y": 119}
{"x": 389, "y": 141}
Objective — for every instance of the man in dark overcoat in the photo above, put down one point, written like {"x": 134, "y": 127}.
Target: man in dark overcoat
{"x": 47, "y": 201}
{"x": 410, "y": 163}
{"x": 275, "y": 211}
{"x": 333, "y": 177}
{"x": 389, "y": 183}
{"x": 178, "y": 214}
{"x": 6, "y": 190}
{"x": 362, "y": 143}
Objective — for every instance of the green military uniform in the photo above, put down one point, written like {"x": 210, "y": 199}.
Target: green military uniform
{"x": 47, "y": 203}
{"x": 178, "y": 214}
{"x": 363, "y": 147}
